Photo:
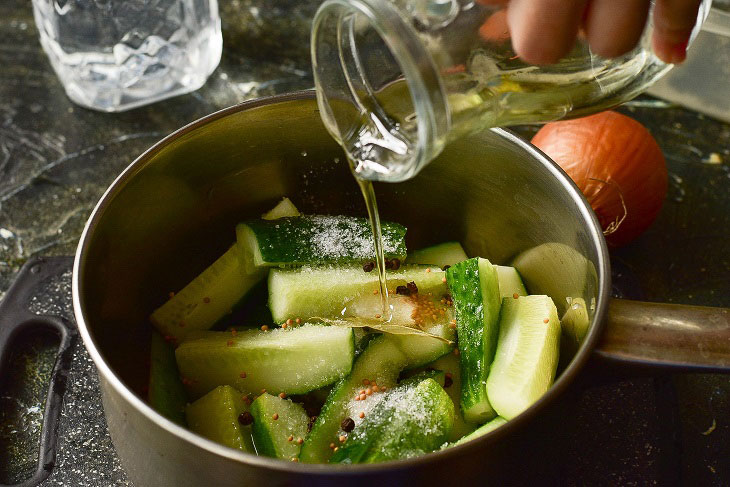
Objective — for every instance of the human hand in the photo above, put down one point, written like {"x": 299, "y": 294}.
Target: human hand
{"x": 543, "y": 31}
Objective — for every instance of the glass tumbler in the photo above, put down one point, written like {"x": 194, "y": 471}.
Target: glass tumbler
{"x": 113, "y": 55}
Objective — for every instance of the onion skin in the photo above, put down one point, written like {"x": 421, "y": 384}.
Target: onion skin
{"x": 611, "y": 157}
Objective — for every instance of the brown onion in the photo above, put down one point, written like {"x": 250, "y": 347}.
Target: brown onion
{"x": 618, "y": 166}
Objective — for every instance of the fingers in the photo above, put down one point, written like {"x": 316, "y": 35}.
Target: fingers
{"x": 613, "y": 27}
{"x": 543, "y": 31}
{"x": 673, "y": 23}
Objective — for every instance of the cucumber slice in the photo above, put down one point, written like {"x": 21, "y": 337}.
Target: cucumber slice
{"x": 447, "y": 253}
{"x": 510, "y": 282}
{"x": 206, "y": 299}
{"x": 166, "y": 392}
{"x": 483, "y": 430}
{"x": 292, "y": 361}
{"x": 315, "y": 239}
{"x": 413, "y": 419}
{"x": 449, "y": 364}
{"x": 284, "y": 208}
{"x": 275, "y": 421}
{"x": 215, "y": 416}
{"x": 325, "y": 291}
{"x": 381, "y": 362}
{"x": 475, "y": 291}
{"x": 527, "y": 354}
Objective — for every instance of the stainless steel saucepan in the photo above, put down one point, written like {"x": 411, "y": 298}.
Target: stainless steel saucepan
{"x": 173, "y": 211}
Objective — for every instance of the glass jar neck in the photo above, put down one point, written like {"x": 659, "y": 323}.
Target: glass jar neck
{"x": 379, "y": 92}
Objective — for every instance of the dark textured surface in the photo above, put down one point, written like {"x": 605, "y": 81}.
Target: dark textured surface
{"x": 56, "y": 159}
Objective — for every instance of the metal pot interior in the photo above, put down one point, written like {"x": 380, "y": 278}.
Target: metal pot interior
{"x": 174, "y": 211}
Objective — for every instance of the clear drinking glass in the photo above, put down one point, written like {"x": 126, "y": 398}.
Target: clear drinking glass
{"x": 113, "y": 55}
{"x": 398, "y": 79}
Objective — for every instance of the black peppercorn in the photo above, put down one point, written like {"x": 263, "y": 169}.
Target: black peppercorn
{"x": 403, "y": 291}
{"x": 368, "y": 266}
{"x": 245, "y": 418}
{"x": 412, "y": 287}
{"x": 348, "y": 424}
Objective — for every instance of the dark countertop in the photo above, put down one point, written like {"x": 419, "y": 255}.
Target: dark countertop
{"x": 56, "y": 159}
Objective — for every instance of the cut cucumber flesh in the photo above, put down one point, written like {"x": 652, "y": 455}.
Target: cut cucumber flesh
{"x": 275, "y": 421}
{"x": 483, "y": 430}
{"x": 412, "y": 419}
{"x": 206, "y": 299}
{"x": 418, "y": 311}
{"x": 557, "y": 270}
{"x": 381, "y": 362}
{"x": 449, "y": 364}
{"x": 166, "y": 392}
{"x": 447, "y": 253}
{"x": 215, "y": 416}
{"x": 475, "y": 291}
{"x": 325, "y": 291}
{"x": 421, "y": 350}
{"x": 575, "y": 321}
{"x": 315, "y": 239}
{"x": 292, "y": 361}
{"x": 284, "y": 208}
{"x": 527, "y": 354}
{"x": 510, "y": 282}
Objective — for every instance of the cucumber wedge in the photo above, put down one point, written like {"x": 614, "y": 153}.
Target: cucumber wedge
{"x": 557, "y": 270}
{"x": 381, "y": 362}
{"x": 284, "y": 208}
{"x": 206, "y": 299}
{"x": 325, "y": 291}
{"x": 449, "y": 364}
{"x": 315, "y": 239}
{"x": 510, "y": 282}
{"x": 166, "y": 392}
{"x": 215, "y": 416}
{"x": 425, "y": 313}
{"x": 215, "y": 292}
{"x": 275, "y": 421}
{"x": 447, "y": 253}
{"x": 413, "y": 419}
{"x": 475, "y": 292}
{"x": 527, "y": 354}
{"x": 483, "y": 430}
{"x": 292, "y": 361}
{"x": 421, "y": 350}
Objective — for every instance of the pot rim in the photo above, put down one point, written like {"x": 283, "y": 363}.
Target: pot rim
{"x": 560, "y": 385}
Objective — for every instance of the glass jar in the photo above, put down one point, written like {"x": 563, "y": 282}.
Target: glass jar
{"x": 398, "y": 79}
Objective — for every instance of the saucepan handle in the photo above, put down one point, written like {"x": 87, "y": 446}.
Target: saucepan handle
{"x": 15, "y": 318}
{"x": 689, "y": 338}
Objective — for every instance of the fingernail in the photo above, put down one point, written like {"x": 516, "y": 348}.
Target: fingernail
{"x": 678, "y": 53}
